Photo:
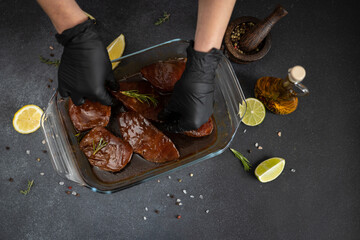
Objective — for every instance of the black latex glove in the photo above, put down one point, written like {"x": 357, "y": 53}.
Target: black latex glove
{"x": 192, "y": 101}
{"x": 85, "y": 66}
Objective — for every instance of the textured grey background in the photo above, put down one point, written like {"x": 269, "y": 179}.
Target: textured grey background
{"x": 320, "y": 140}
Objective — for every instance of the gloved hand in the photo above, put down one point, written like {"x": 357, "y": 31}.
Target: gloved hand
{"x": 85, "y": 66}
{"x": 192, "y": 101}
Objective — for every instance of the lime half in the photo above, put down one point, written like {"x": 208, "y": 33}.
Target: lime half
{"x": 255, "y": 112}
{"x": 269, "y": 169}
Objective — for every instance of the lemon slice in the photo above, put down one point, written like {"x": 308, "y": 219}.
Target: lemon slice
{"x": 269, "y": 169}
{"x": 116, "y": 49}
{"x": 27, "y": 119}
{"x": 255, "y": 112}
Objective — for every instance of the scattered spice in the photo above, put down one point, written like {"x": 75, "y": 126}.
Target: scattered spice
{"x": 279, "y": 134}
{"x": 184, "y": 191}
{"x": 156, "y": 211}
{"x": 145, "y": 218}
{"x": 42, "y": 174}
{"x": 168, "y": 195}
{"x": 249, "y": 151}
{"x": 70, "y": 187}
{"x": 179, "y": 180}
{"x": 25, "y": 192}
{"x": 43, "y": 141}
{"x": 44, "y": 151}
{"x": 171, "y": 196}
{"x": 146, "y": 209}
{"x": 77, "y": 194}
{"x": 67, "y": 192}
{"x": 256, "y": 144}
{"x": 11, "y": 179}
{"x": 158, "y": 180}
{"x": 244, "y": 130}
{"x": 48, "y": 86}
{"x": 51, "y": 55}
{"x": 73, "y": 193}
{"x": 246, "y": 164}
{"x": 260, "y": 147}
{"x": 191, "y": 196}
{"x": 169, "y": 177}
{"x": 28, "y": 152}
{"x": 50, "y": 80}
{"x": 178, "y": 216}
{"x": 162, "y": 19}
{"x": 207, "y": 211}
{"x": 61, "y": 183}
{"x": 47, "y": 61}
{"x": 51, "y": 47}
{"x": 239, "y": 32}
{"x": 191, "y": 174}
{"x": 201, "y": 197}
{"x": 7, "y": 148}
{"x": 38, "y": 159}
{"x": 178, "y": 200}
{"x": 292, "y": 170}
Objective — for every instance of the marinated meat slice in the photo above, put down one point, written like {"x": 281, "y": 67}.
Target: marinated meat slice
{"x": 146, "y": 139}
{"x": 205, "y": 129}
{"x": 89, "y": 115}
{"x": 148, "y": 110}
{"x": 105, "y": 150}
{"x": 164, "y": 75}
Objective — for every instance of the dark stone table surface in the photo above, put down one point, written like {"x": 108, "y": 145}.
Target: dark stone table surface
{"x": 320, "y": 140}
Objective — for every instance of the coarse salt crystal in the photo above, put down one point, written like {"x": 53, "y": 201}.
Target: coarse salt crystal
{"x": 279, "y": 134}
{"x": 146, "y": 209}
{"x": 180, "y": 204}
{"x": 169, "y": 177}
{"x": 191, "y": 174}
{"x": 178, "y": 200}
{"x": 201, "y": 197}
{"x": 27, "y": 152}
{"x": 256, "y": 144}
{"x": 207, "y": 211}
{"x": 192, "y": 196}
{"x": 73, "y": 193}
{"x": 184, "y": 191}
{"x": 292, "y": 170}
{"x": 244, "y": 130}
{"x": 61, "y": 183}
{"x": 43, "y": 141}
{"x": 42, "y": 174}
{"x": 168, "y": 195}
{"x": 145, "y": 218}
{"x": 260, "y": 147}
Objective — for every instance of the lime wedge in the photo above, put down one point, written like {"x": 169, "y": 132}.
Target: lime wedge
{"x": 269, "y": 169}
{"x": 254, "y": 112}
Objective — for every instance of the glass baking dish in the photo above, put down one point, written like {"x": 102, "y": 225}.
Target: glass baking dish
{"x": 71, "y": 163}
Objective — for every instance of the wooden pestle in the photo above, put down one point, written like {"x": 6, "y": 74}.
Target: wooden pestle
{"x": 251, "y": 39}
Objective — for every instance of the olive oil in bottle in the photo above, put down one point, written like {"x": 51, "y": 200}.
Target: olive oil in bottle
{"x": 278, "y": 95}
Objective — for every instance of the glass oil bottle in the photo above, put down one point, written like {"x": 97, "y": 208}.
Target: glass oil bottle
{"x": 279, "y": 95}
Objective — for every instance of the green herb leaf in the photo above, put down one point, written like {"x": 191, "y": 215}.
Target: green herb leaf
{"x": 100, "y": 145}
{"x": 30, "y": 183}
{"x": 244, "y": 161}
{"x": 163, "y": 19}
{"x": 55, "y": 63}
{"x": 141, "y": 97}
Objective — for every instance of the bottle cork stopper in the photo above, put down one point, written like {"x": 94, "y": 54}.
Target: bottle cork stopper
{"x": 296, "y": 74}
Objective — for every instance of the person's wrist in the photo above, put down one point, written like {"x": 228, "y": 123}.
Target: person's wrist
{"x": 70, "y": 22}
{"x": 70, "y": 33}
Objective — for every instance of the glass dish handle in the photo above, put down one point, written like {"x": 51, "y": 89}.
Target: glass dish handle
{"x": 304, "y": 90}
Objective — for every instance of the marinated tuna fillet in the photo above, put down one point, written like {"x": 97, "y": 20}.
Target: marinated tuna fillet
{"x": 205, "y": 129}
{"x": 146, "y": 109}
{"x": 105, "y": 150}
{"x": 146, "y": 139}
{"x": 89, "y": 115}
{"x": 164, "y": 75}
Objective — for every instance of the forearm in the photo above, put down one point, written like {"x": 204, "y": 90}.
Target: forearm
{"x": 213, "y": 18}
{"x": 64, "y": 14}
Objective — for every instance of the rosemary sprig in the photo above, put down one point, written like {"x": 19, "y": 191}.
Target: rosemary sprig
{"x": 100, "y": 145}
{"x": 55, "y": 63}
{"x": 244, "y": 161}
{"x": 30, "y": 183}
{"x": 141, "y": 97}
{"x": 163, "y": 19}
